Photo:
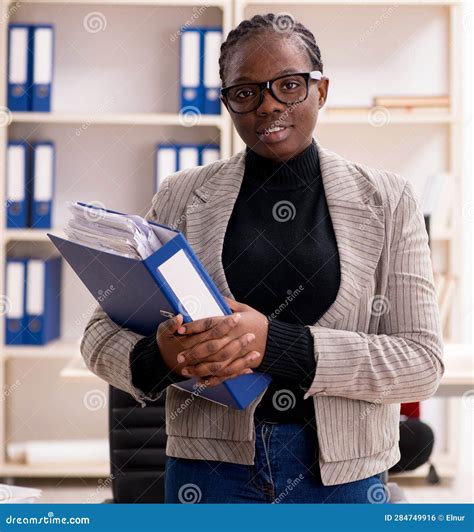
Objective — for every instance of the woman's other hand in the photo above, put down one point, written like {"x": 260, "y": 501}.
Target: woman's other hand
{"x": 218, "y": 357}
{"x": 171, "y": 344}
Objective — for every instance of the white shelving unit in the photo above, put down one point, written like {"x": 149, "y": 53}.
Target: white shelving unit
{"x": 115, "y": 96}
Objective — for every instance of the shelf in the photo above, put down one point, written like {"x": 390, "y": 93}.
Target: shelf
{"x": 56, "y": 349}
{"x": 30, "y": 234}
{"x": 76, "y": 369}
{"x": 99, "y": 470}
{"x": 111, "y": 119}
{"x": 136, "y": 3}
{"x": 326, "y": 117}
{"x": 416, "y": 3}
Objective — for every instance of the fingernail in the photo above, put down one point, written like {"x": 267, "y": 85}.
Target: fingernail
{"x": 182, "y": 330}
{"x": 247, "y": 371}
{"x": 181, "y": 358}
{"x": 250, "y": 337}
{"x": 237, "y": 317}
{"x": 254, "y": 355}
{"x": 185, "y": 372}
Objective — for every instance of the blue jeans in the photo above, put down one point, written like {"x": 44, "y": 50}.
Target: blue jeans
{"x": 286, "y": 470}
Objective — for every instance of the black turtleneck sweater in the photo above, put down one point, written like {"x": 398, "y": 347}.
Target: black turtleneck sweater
{"x": 280, "y": 257}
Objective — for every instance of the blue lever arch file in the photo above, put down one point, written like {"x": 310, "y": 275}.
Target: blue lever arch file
{"x": 143, "y": 293}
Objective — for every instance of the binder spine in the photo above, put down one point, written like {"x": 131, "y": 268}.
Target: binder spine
{"x": 19, "y": 67}
{"x": 18, "y": 197}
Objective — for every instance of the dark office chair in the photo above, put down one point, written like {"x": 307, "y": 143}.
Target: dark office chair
{"x": 137, "y": 448}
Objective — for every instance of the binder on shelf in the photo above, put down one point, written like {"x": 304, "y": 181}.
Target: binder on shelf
{"x": 15, "y": 301}
{"x": 170, "y": 158}
{"x": 190, "y": 68}
{"x": 188, "y": 156}
{"x": 42, "y": 303}
{"x": 42, "y": 184}
{"x": 42, "y": 76}
{"x": 212, "y": 40}
{"x": 146, "y": 292}
{"x": 17, "y": 194}
{"x": 166, "y": 162}
{"x": 19, "y": 67}
{"x": 209, "y": 153}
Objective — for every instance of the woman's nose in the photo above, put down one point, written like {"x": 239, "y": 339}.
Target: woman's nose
{"x": 269, "y": 104}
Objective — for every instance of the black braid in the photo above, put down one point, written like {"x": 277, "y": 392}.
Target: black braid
{"x": 281, "y": 24}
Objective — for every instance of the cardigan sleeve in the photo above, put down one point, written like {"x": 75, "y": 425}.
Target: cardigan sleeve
{"x": 149, "y": 371}
{"x": 289, "y": 352}
{"x": 403, "y": 362}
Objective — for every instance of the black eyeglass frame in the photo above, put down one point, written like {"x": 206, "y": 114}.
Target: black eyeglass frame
{"x": 314, "y": 74}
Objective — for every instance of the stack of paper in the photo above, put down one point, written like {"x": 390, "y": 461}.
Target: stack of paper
{"x": 126, "y": 235}
{"x": 18, "y": 494}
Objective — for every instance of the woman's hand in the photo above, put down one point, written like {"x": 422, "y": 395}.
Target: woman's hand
{"x": 171, "y": 344}
{"x": 224, "y": 356}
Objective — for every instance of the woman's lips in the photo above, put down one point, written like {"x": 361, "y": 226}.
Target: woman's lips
{"x": 269, "y": 136}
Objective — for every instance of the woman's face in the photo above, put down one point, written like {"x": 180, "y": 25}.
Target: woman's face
{"x": 261, "y": 58}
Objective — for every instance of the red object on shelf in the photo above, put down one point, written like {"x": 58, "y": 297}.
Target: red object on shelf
{"x": 411, "y": 410}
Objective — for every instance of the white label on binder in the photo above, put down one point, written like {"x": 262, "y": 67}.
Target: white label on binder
{"x": 165, "y": 163}
{"x": 188, "y": 158}
{"x": 16, "y": 173}
{"x": 190, "y": 58}
{"x": 15, "y": 289}
{"x": 212, "y": 44}
{"x": 209, "y": 155}
{"x": 18, "y": 68}
{"x": 188, "y": 287}
{"x": 43, "y": 179}
{"x": 35, "y": 287}
{"x": 43, "y": 62}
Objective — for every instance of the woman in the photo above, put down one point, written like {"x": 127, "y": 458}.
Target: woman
{"x": 326, "y": 266}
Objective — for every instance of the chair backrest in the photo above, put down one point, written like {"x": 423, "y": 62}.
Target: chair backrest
{"x": 137, "y": 440}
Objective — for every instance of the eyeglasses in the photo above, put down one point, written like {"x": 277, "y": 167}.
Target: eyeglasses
{"x": 288, "y": 89}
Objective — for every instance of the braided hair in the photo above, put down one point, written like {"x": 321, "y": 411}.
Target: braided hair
{"x": 281, "y": 23}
